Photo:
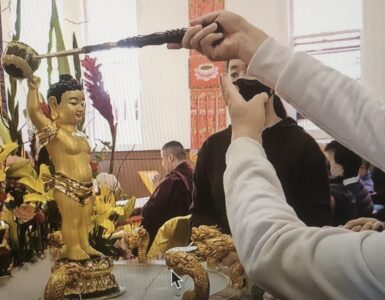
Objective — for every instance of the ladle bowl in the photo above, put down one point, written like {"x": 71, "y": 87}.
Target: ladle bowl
{"x": 19, "y": 60}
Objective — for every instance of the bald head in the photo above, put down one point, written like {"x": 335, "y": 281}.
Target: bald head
{"x": 175, "y": 148}
{"x": 172, "y": 154}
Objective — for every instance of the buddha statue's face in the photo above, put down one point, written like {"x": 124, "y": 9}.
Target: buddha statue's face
{"x": 71, "y": 108}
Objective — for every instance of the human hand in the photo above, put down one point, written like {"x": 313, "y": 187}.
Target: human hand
{"x": 362, "y": 224}
{"x": 34, "y": 82}
{"x": 240, "y": 38}
{"x": 156, "y": 179}
{"x": 230, "y": 259}
{"x": 247, "y": 118}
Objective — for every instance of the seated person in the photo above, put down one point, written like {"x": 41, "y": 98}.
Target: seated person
{"x": 378, "y": 196}
{"x": 296, "y": 157}
{"x": 366, "y": 176}
{"x": 344, "y": 207}
{"x": 172, "y": 197}
{"x": 344, "y": 166}
{"x": 378, "y": 178}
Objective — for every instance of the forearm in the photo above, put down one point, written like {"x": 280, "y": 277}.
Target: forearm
{"x": 338, "y": 104}
{"x": 277, "y": 251}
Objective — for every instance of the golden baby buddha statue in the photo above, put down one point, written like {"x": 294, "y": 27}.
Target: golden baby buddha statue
{"x": 72, "y": 184}
{"x": 69, "y": 151}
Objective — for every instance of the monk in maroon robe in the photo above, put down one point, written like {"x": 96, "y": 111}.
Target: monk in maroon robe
{"x": 173, "y": 195}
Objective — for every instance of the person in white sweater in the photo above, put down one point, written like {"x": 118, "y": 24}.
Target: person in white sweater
{"x": 278, "y": 252}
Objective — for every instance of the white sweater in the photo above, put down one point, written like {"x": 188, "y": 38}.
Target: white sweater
{"x": 279, "y": 253}
{"x": 338, "y": 104}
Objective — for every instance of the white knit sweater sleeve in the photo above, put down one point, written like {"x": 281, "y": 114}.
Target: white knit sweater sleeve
{"x": 338, "y": 104}
{"x": 279, "y": 252}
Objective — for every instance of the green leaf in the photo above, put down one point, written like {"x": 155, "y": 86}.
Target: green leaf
{"x": 2, "y": 176}
{"x": 9, "y": 217}
{"x": 35, "y": 197}
{"x": 118, "y": 210}
{"x": 63, "y": 65}
{"x": 4, "y": 130}
{"x": 15, "y": 117}
{"x": 6, "y": 150}
{"x": 78, "y": 71}
{"x": 22, "y": 168}
{"x": 128, "y": 208}
{"x": 33, "y": 183}
{"x": 13, "y": 83}
{"x": 11, "y": 101}
{"x": 77, "y": 66}
{"x": 49, "y": 60}
{"x": 99, "y": 157}
{"x": 8, "y": 97}
{"x": 13, "y": 132}
{"x": 16, "y": 36}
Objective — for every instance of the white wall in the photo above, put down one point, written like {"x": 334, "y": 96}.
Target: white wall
{"x": 165, "y": 98}
{"x": 272, "y": 16}
{"x": 373, "y": 46}
{"x": 165, "y": 101}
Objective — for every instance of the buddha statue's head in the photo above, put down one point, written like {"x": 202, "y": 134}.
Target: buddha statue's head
{"x": 66, "y": 101}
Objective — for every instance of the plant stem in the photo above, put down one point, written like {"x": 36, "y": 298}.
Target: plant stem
{"x": 113, "y": 133}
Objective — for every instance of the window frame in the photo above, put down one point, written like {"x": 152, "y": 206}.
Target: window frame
{"x": 322, "y": 38}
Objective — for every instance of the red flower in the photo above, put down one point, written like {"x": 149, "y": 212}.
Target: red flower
{"x": 40, "y": 217}
{"x": 3, "y": 197}
{"x": 44, "y": 108}
{"x": 94, "y": 167}
{"x": 94, "y": 85}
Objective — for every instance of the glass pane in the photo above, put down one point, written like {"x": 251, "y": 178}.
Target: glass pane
{"x": 316, "y": 16}
{"x": 120, "y": 71}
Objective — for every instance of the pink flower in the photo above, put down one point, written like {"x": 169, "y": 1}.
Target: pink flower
{"x": 94, "y": 167}
{"x": 44, "y": 108}
{"x": 13, "y": 159}
{"x": 94, "y": 85}
{"x": 100, "y": 98}
{"x": 123, "y": 250}
{"x": 24, "y": 213}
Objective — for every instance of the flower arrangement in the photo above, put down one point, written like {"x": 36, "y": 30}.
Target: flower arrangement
{"x": 23, "y": 207}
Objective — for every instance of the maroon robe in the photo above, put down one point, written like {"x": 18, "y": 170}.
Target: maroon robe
{"x": 172, "y": 198}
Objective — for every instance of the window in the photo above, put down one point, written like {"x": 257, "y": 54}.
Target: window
{"x": 325, "y": 30}
{"x": 120, "y": 70}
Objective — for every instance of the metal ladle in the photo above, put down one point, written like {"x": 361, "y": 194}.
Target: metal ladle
{"x": 21, "y": 61}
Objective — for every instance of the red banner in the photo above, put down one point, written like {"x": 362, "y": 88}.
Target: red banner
{"x": 208, "y": 113}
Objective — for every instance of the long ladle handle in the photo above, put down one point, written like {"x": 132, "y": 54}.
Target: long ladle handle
{"x": 158, "y": 38}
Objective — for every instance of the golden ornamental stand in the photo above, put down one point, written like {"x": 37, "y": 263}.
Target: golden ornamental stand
{"x": 90, "y": 278}
{"x": 213, "y": 246}
{"x": 188, "y": 264}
